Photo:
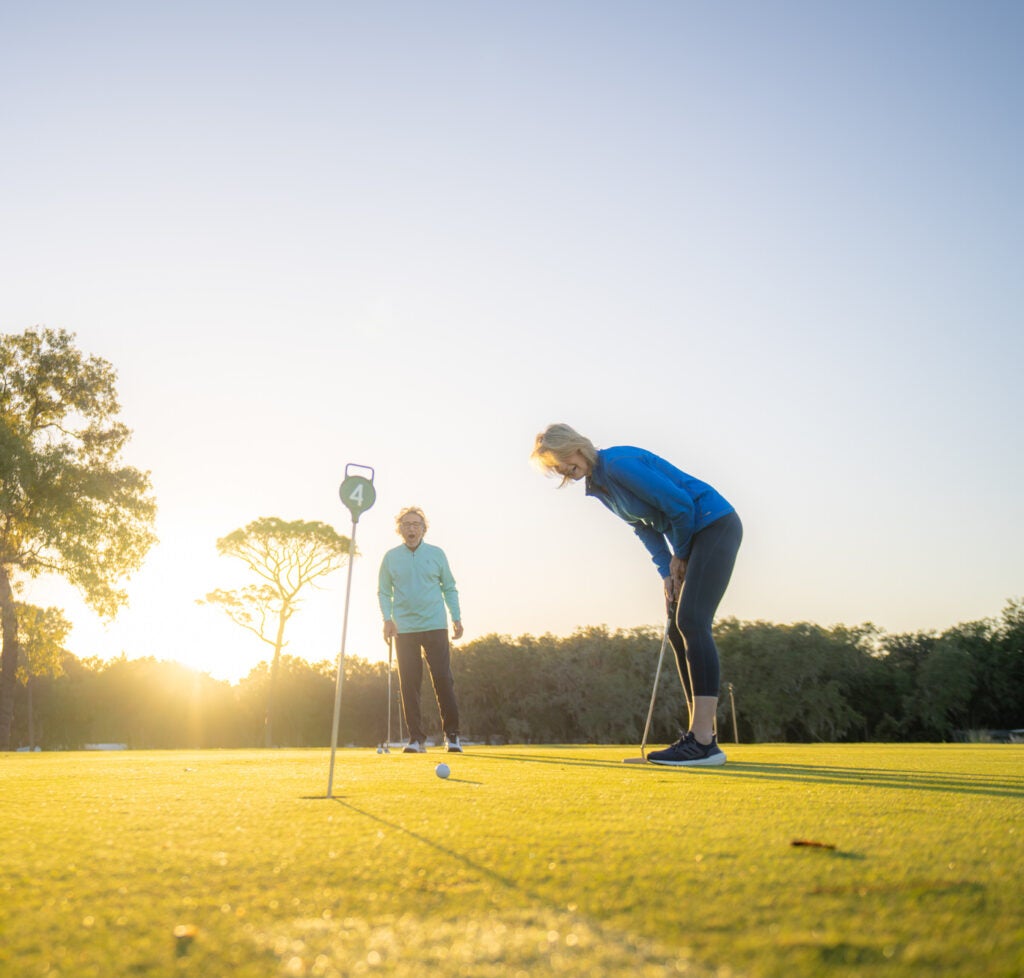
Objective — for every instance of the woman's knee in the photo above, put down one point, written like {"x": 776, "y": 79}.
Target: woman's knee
{"x": 693, "y": 624}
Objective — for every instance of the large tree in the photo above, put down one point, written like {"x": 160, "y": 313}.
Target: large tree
{"x": 288, "y": 558}
{"x": 69, "y": 506}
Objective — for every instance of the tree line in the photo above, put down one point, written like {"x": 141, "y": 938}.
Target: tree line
{"x": 796, "y": 683}
{"x": 70, "y": 506}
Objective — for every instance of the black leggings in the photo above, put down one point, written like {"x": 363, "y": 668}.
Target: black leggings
{"x": 437, "y": 649}
{"x": 708, "y": 570}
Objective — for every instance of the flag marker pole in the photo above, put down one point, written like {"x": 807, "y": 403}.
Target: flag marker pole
{"x": 358, "y": 495}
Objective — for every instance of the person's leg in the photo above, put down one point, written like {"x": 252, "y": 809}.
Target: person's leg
{"x": 437, "y": 650}
{"x": 708, "y": 571}
{"x": 410, "y": 679}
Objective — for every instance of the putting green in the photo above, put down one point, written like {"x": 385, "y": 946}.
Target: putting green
{"x": 526, "y": 860}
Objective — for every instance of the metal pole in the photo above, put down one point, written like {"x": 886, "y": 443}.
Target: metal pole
{"x": 341, "y": 660}
{"x": 732, "y": 707}
{"x": 401, "y": 731}
{"x": 388, "y": 745}
{"x": 686, "y": 689}
{"x": 650, "y": 710}
{"x": 654, "y": 694}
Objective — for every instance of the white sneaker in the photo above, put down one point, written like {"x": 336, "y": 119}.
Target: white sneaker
{"x": 452, "y": 745}
{"x": 415, "y": 747}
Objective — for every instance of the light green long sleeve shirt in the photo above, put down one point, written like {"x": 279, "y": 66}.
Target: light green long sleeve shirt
{"x": 414, "y": 586}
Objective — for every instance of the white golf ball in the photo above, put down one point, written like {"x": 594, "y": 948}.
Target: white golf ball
{"x": 442, "y": 770}
{"x": 380, "y": 750}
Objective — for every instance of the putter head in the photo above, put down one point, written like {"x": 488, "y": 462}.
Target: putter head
{"x": 634, "y": 760}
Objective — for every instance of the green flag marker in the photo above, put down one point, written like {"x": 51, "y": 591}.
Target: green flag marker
{"x": 358, "y": 495}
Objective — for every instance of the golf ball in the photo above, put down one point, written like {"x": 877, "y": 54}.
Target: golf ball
{"x": 442, "y": 770}
{"x": 380, "y": 750}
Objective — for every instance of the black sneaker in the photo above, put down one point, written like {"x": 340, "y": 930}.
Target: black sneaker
{"x": 415, "y": 747}
{"x": 452, "y": 745}
{"x": 687, "y": 752}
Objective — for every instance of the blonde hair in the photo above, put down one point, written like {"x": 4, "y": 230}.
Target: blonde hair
{"x": 556, "y": 443}
{"x": 410, "y": 511}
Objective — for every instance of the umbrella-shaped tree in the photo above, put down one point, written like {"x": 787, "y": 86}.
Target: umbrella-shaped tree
{"x": 288, "y": 558}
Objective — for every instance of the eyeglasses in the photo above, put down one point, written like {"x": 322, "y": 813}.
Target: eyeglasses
{"x": 410, "y": 526}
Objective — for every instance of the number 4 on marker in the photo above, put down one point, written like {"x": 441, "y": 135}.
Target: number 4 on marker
{"x": 358, "y": 495}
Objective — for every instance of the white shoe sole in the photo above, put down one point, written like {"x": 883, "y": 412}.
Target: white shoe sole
{"x": 715, "y": 760}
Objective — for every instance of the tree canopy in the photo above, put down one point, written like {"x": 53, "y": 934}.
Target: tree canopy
{"x": 69, "y": 506}
{"x": 288, "y": 557}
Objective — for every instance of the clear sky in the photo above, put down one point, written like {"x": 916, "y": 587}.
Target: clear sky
{"x": 778, "y": 243}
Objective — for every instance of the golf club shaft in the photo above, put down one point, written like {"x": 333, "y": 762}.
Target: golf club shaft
{"x": 686, "y": 691}
{"x": 654, "y": 692}
{"x": 390, "y": 646}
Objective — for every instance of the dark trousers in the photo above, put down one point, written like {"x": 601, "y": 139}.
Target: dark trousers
{"x": 708, "y": 571}
{"x": 437, "y": 651}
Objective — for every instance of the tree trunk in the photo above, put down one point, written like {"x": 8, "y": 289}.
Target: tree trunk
{"x": 272, "y": 691}
{"x": 31, "y": 719}
{"x": 8, "y": 659}
{"x": 268, "y": 718}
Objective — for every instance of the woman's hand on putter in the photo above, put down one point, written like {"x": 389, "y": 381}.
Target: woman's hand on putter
{"x": 677, "y": 568}
{"x": 390, "y": 630}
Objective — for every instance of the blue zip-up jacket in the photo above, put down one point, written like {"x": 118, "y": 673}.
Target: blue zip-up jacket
{"x": 657, "y": 499}
{"x": 413, "y": 587}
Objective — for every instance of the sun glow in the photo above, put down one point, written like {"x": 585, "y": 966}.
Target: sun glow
{"x": 164, "y": 619}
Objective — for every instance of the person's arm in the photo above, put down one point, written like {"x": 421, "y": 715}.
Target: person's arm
{"x": 662, "y": 494}
{"x": 656, "y": 546}
{"x": 451, "y": 596}
{"x": 652, "y": 540}
{"x": 386, "y": 599}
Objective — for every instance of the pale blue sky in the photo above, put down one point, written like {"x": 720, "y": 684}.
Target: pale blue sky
{"x": 777, "y": 243}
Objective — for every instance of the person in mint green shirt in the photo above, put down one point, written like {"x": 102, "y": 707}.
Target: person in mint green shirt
{"x": 414, "y": 587}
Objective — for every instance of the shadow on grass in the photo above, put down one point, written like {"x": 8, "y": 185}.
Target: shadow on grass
{"x": 506, "y": 881}
{"x": 943, "y": 782}
{"x": 937, "y": 781}
{"x": 633, "y": 953}
{"x": 557, "y": 760}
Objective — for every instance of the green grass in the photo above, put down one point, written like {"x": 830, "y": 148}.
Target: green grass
{"x": 528, "y": 860}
